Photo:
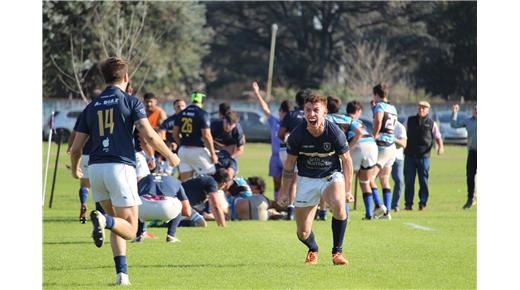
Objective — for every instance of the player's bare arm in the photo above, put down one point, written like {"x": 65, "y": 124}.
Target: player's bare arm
{"x": 378, "y": 120}
{"x": 75, "y": 153}
{"x": 401, "y": 142}
{"x": 216, "y": 209}
{"x": 156, "y": 142}
{"x": 263, "y": 103}
{"x": 209, "y": 143}
{"x": 356, "y": 138}
{"x": 347, "y": 168}
{"x": 287, "y": 176}
{"x": 177, "y": 134}
{"x": 281, "y": 133}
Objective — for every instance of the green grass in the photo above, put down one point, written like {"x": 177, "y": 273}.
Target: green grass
{"x": 382, "y": 254}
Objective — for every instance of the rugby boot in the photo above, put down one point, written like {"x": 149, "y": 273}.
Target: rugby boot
{"x": 82, "y": 213}
{"x": 339, "y": 259}
{"x": 98, "y": 227}
{"x": 312, "y": 258}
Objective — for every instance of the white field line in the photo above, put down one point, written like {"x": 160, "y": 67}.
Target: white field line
{"x": 419, "y": 227}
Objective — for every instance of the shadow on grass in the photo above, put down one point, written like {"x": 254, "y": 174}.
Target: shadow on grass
{"x": 69, "y": 243}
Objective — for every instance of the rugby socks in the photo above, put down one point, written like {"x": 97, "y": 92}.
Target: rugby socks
{"x": 110, "y": 222}
{"x": 99, "y": 208}
{"x": 375, "y": 196}
{"x": 387, "y": 198}
{"x": 290, "y": 211}
{"x": 121, "y": 266}
{"x": 276, "y": 195}
{"x": 140, "y": 228}
{"x": 369, "y": 205}
{"x": 310, "y": 242}
{"x": 83, "y": 195}
{"x": 322, "y": 214}
{"x": 339, "y": 227}
{"x": 173, "y": 224}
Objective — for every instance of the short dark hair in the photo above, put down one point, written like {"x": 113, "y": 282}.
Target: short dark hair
{"x": 232, "y": 117}
{"x": 224, "y": 108}
{"x": 114, "y": 69}
{"x": 315, "y": 98}
{"x": 333, "y": 104}
{"x": 301, "y": 95}
{"x": 178, "y": 100}
{"x": 353, "y": 107}
{"x": 221, "y": 176}
{"x": 381, "y": 90}
{"x": 285, "y": 106}
{"x": 258, "y": 182}
{"x": 149, "y": 96}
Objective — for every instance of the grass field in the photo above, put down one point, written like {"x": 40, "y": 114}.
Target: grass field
{"x": 382, "y": 254}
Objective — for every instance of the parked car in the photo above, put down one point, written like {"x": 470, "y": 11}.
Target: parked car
{"x": 449, "y": 134}
{"x": 63, "y": 123}
{"x": 254, "y": 124}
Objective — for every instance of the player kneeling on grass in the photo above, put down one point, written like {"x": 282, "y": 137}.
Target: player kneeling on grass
{"x": 163, "y": 198}
{"x": 205, "y": 188}
{"x": 317, "y": 146}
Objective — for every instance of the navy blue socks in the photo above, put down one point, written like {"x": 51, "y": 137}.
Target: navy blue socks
{"x": 110, "y": 222}
{"x": 376, "y": 197}
{"x": 387, "y": 198}
{"x": 173, "y": 224}
{"x": 83, "y": 195}
{"x": 310, "y": 242}
{"x": 369, "y": 205}
{"x": 339, "y": 227}
{"x": 121, "y": 266}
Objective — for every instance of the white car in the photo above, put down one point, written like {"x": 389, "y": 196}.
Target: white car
{"x": 63, "y": 122}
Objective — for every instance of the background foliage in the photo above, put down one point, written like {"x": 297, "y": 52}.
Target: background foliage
{"x": 423, "y": 49}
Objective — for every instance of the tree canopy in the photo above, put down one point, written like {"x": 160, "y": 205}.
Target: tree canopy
{"x": 220, "y": 47}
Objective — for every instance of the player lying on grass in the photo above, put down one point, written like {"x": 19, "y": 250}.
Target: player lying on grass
{"x": 317, "y": 146}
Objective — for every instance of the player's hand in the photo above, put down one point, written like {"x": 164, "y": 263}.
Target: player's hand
{"x": 256, "y": 88}
{"x": 283, "y": 198}
{"x": 174, "y": 160}
{"x": 440, "y": 150}
{"x": 77, "y": 173}
{"x": 455, "y": 108}
{"x": 214, "y": 159}
{"x": 151, "y": 164}
{"x": 349, "y": 197}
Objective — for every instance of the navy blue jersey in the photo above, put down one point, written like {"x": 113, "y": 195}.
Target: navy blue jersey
{"x": 191, "y": 121}
{"x": 386, "y": 133}
{"x": 161, "y": 185}
{"x": 88, "y": 145}
{"x": 109, "y": 121}
{"x": 198, "y": 188}
{"x": 317, "y": 156}
{"x": 226, "y": 161}
{"x": 235, "y": 137}
{"x": 167, "y": 125}
{"x": 292, "y": 120}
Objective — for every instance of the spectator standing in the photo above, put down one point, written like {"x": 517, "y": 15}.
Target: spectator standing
{"x": 422, "y": 134}
{"x": 398, "y": 167}
{"x": 471, "y": 163}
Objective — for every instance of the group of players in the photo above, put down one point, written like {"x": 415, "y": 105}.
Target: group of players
{"x": 319, "y": 150}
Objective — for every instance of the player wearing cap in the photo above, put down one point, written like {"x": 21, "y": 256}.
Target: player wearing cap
{"x": 385, "y": 117}
{"x": 317, "y": 146}
{"x": 192, "y": 132}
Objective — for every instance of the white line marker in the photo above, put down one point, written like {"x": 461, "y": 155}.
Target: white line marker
{"x": 419, "y": 227}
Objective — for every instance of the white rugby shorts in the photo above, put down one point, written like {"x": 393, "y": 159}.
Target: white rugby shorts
{"x": 83, "y": 165}
{"x": 114, "y": 181}
{"x": 141, "y": 166}
{"x": 309, "y": 190}
{"x": 386, "y": 156}
{"x": 364, "y": 155}
{"x": 196, "y": 159}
